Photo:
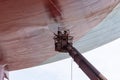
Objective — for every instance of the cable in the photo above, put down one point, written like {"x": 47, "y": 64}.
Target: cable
{"x": 71, "y": 69}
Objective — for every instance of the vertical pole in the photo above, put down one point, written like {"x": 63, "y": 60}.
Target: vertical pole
{"x": 83, "y": 63}
{"x": 3, "y": 72}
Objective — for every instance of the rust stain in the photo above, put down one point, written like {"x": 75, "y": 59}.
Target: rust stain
{"x": 54, "y": 9}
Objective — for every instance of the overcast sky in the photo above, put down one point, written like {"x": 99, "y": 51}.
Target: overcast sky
{"x": 105, "y": 58}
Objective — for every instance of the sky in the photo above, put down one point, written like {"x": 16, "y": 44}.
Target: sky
{"x": 105, "y": 58}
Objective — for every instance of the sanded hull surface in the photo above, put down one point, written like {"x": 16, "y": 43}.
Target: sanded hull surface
{"x": 25, "y": 38}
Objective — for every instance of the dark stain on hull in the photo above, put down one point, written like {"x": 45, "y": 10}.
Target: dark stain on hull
{"x": 54, "y": 10}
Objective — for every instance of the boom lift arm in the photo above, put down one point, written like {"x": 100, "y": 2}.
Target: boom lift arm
{"x": 63, "y": 43}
